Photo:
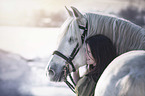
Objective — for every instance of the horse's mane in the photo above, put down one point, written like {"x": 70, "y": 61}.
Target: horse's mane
{"x": 125, "y": 35}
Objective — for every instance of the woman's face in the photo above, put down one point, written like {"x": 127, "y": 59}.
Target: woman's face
{"x": 90, "y": 58}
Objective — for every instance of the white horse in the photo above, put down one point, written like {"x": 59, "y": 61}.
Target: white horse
{"x": 125, "y": 36}
{"x": 124, "y": 76}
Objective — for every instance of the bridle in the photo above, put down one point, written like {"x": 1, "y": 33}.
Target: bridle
{"x": 71, "y": 57}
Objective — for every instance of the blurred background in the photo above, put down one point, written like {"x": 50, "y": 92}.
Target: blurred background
{"x": 28, "y": 36}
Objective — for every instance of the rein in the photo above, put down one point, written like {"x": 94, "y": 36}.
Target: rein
{"x": 71, "y": 57}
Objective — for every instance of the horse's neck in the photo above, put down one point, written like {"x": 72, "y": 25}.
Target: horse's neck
{"x": 98, "y": 24}
{"x": 118, "y": 30}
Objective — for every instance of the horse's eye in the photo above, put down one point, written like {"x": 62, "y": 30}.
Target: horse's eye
{"x": 71, "y": 40}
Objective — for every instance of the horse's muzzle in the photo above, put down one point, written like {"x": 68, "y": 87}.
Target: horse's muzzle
{"x": 50, "y": 72}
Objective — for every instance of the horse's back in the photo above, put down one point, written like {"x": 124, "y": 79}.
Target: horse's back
{"x": 125, "y": 76}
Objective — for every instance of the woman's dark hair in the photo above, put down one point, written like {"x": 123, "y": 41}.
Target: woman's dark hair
{"x": 103, "y": 51}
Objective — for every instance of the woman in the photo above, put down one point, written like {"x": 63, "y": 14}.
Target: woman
{"x": 99, "y": 53}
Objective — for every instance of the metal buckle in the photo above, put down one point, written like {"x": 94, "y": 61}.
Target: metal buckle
{"x": 66, "y": 71}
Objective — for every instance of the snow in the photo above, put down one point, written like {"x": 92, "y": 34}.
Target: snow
{"x": 21, "y": 77}
{"x": 13, "y": 73}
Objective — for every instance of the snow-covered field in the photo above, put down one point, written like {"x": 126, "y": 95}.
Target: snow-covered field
{"x": 20, "y": 76}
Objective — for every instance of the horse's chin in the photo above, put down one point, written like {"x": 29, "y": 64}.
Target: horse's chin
{"x": 56, "y": 80}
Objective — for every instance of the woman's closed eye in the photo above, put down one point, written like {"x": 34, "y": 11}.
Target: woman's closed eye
{"x": 88, "y": 52}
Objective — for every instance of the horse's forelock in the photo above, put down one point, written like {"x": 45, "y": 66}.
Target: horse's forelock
{"x": 64, "y": 28}
{"x": 71, "y": 27}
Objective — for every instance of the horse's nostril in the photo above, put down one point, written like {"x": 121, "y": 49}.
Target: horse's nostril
{"x": 51, "y": 72}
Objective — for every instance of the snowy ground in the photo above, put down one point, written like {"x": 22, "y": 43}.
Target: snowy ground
{"x": 19, "y": 77}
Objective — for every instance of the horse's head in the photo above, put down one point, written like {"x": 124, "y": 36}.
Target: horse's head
{"x": 70, "y": 43}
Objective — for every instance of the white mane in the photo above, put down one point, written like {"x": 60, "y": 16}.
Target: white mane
{"x": 125, "y": 35}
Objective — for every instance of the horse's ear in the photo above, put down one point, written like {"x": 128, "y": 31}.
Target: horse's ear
{"x": 69, "y": 12}
{"x": 76, "y": 12}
